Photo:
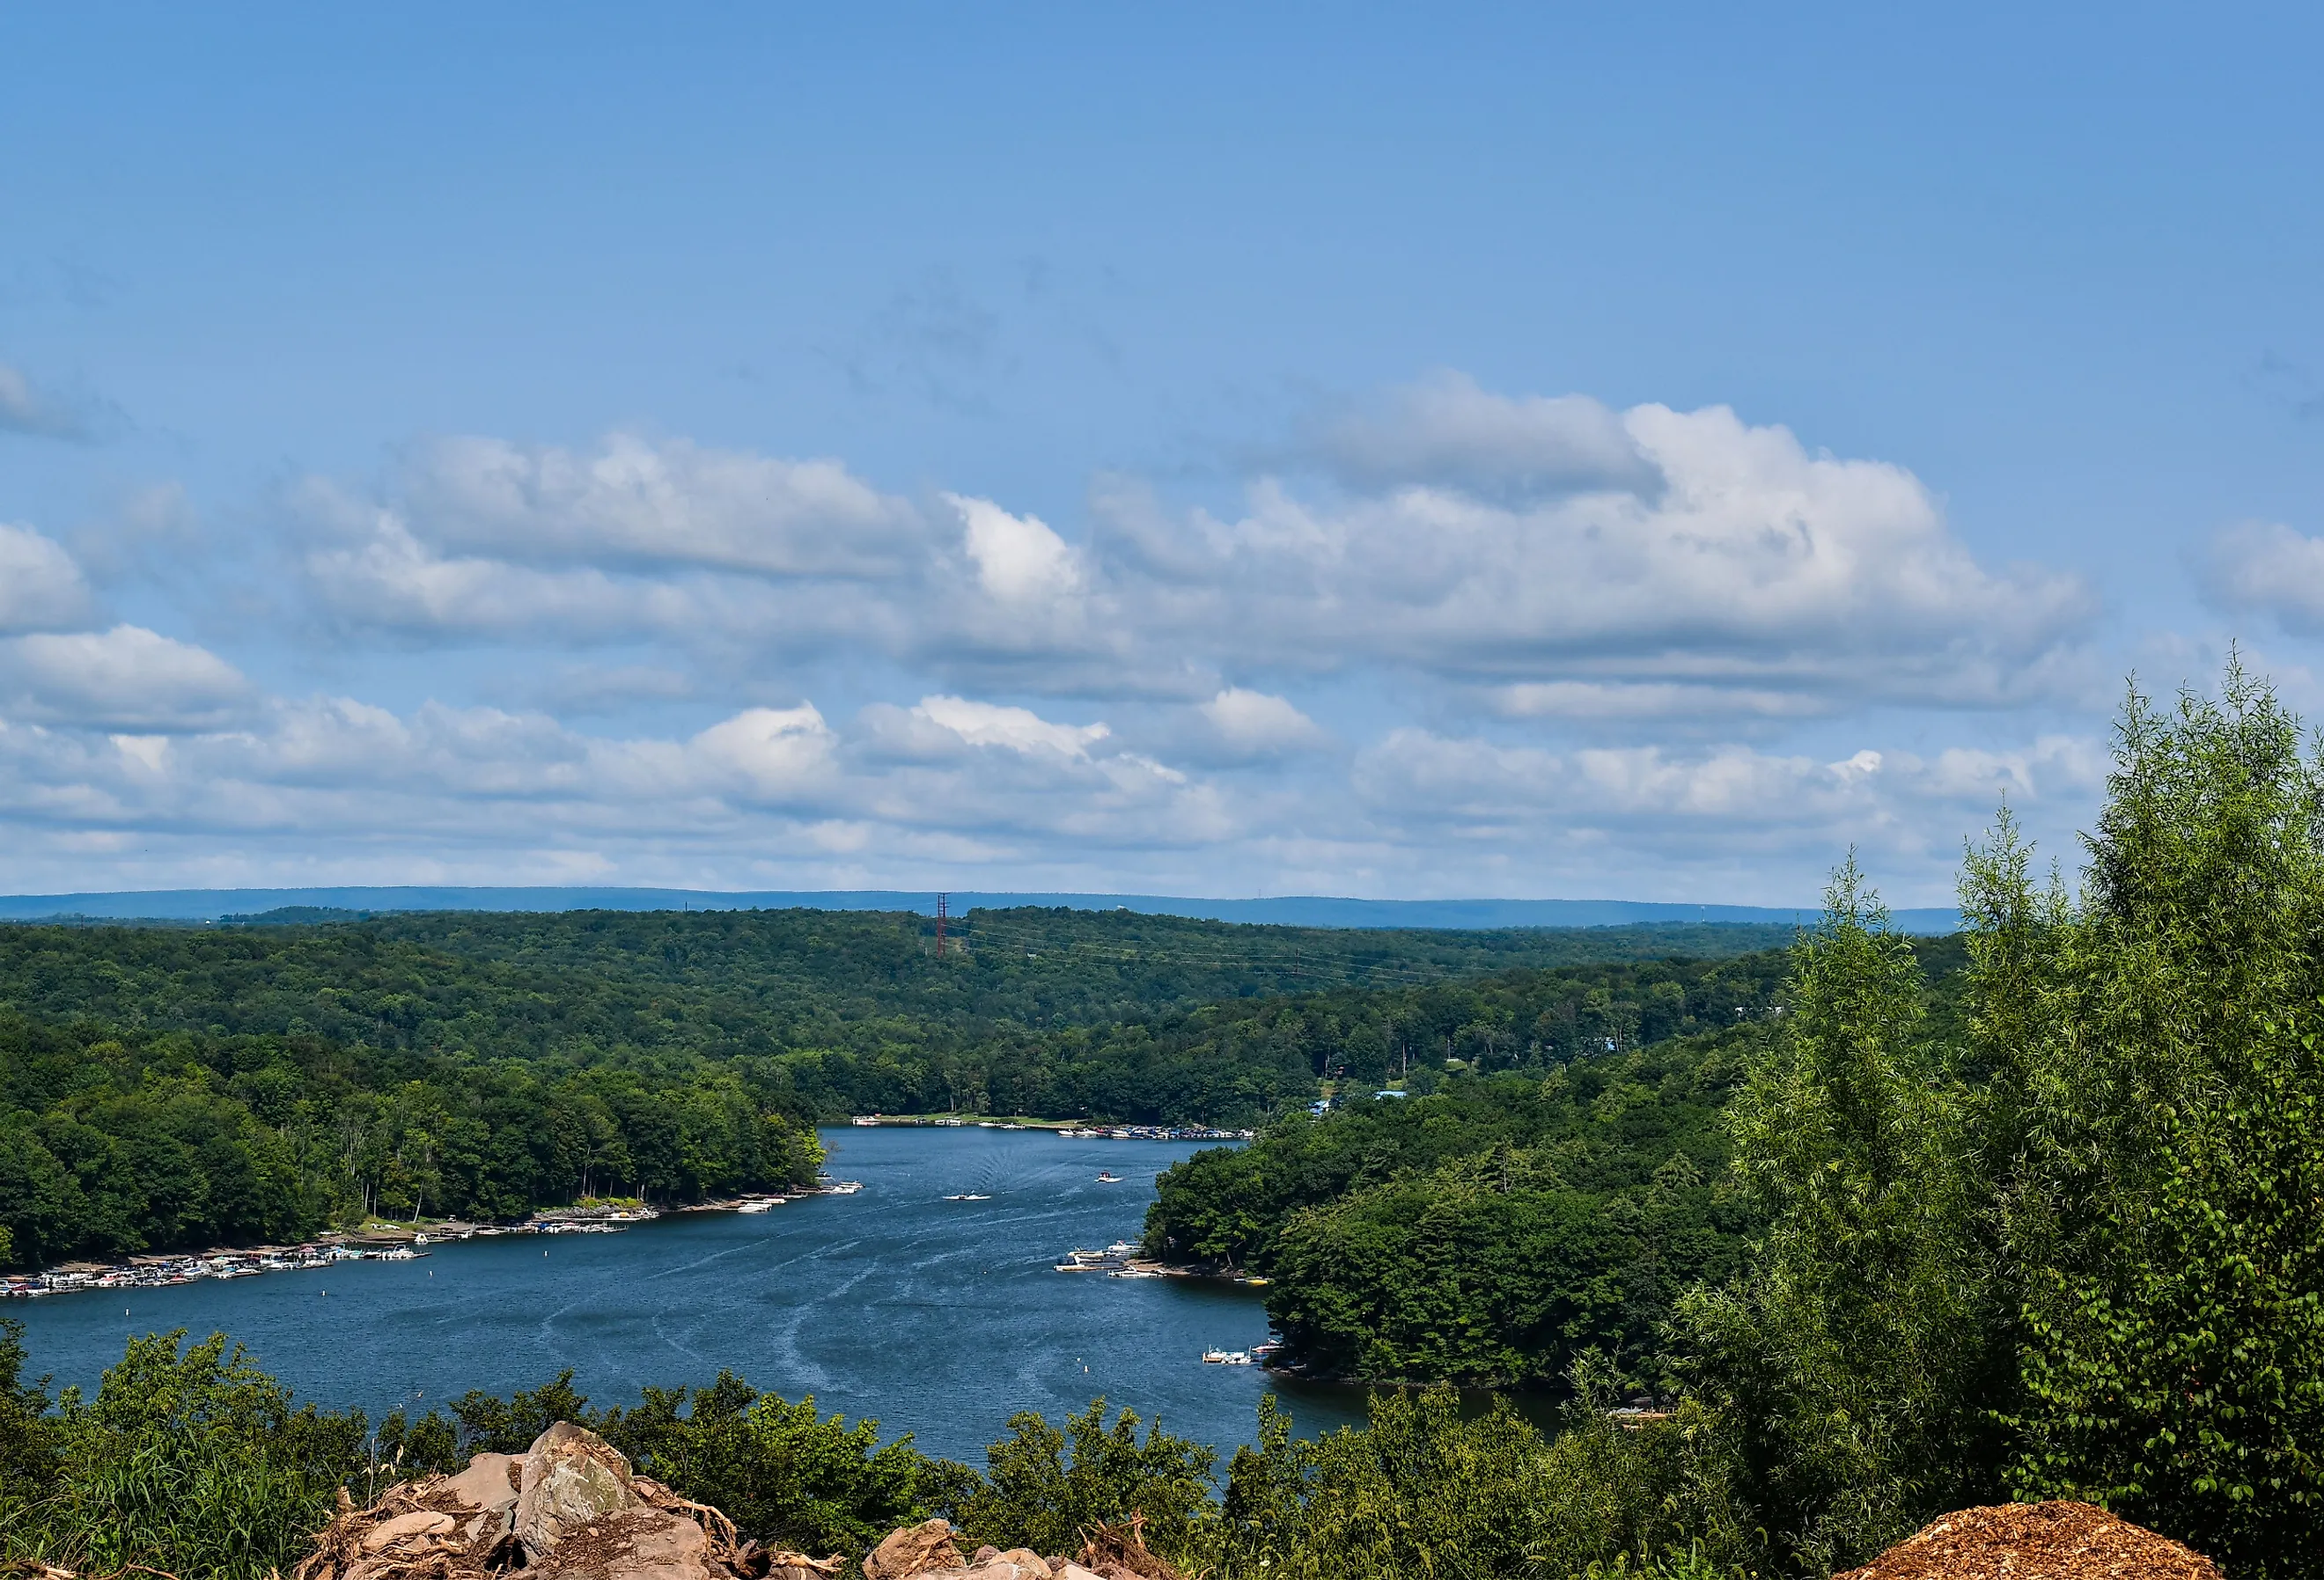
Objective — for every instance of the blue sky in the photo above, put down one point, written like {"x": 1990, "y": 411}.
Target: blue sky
{"x": 1636, "y": 452}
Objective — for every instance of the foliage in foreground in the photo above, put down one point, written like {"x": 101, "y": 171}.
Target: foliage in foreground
{"x": 2076, "y": 1252}
{"x": 191, "y": 1459}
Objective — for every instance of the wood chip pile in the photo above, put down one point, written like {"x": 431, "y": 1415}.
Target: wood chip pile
{"x": 2036, "y": 1541}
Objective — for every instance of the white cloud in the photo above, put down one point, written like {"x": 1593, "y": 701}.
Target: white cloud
{"x": 1447, "y": 431}
{"x": 1544, "y": 583}
{"x": 1548, "y": 558}
{"x": 1754, "y": 566}
{"x": 41, "y": 587}
{"x": 1694, "y": 801}
{"x": 2264, "y": 568}
{"x": 639, "y": 503}
{"x": 126, "y": 679}
{"x": 1654, "y": 702}
{"x": 779, "y": 751}
{"x": 1016, "y": 729}
{"x": 1256, "y": 724}
{"x": 1018, "y": 559}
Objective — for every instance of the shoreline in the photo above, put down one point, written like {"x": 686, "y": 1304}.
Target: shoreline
{"x": 373, "y": 1242}
{"x": 1074, "y": 1128}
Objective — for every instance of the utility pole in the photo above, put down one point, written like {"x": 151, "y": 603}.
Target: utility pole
{"x": 943, "y": 902}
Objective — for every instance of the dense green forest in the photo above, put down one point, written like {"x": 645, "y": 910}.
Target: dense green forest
{"x": 166, "y": 1088}
{"x": 1493, "y": 1227}
{"x": 748, "y": 982}
{"x": 1489, "y": 1233}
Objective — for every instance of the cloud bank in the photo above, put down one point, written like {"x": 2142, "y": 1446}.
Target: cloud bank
{"x": 1451, "y": 641}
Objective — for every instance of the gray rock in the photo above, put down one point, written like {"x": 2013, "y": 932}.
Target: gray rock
{"x": 571, "y": 1476}
{"x": 914, "y": 1549}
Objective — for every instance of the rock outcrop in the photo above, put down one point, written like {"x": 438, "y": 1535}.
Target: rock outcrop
{"x": 572, "y": 1508}
{"x": 569, "y": 1508}
{"x": 2036, "y": 1541}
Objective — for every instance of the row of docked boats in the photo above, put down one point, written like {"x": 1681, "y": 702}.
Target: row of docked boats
{"x": 161, "y": 1272}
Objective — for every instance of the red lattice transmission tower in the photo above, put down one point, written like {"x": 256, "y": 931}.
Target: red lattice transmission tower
{"x": 944, "y": 904}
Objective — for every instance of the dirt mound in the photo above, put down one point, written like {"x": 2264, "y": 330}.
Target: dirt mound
{"x": 2036, "y": 1541}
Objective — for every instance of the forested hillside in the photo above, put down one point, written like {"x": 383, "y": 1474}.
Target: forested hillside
{"x": 163, "y": 1087}
{"x": 1494, "y": 1230}
{"x": 496, "y": 982}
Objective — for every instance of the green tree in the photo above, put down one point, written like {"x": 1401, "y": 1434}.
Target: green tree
{"x": 1851, "y": 1363}
{"x": 1043, "y": 1488}
{"x": 2165, "y": 1209}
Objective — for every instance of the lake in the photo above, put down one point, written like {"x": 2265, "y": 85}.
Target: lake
{"x": 940, "y": 1318}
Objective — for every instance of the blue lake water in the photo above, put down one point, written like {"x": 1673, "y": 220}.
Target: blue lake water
{"x": 940, "y": 1318}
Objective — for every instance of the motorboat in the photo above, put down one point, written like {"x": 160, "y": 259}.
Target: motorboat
{"x": 1108, "y": 1176}
{"x": 968, "y": 1196}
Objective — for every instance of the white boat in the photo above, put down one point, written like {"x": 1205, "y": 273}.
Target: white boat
{"x": 755, "y": 1206}
{"x": 1109, "y": 1177}
{"x": 968, "y": 1196}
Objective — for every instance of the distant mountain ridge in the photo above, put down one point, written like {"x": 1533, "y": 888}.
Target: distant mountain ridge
{"x": 1286, "y": 911}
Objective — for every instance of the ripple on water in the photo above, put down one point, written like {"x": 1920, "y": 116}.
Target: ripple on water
{"x": 941, "y": 1318}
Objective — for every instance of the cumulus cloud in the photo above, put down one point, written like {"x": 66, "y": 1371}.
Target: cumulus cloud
{"x": 1753, "y": 565}
{"x": 633, "y": 502}
{"x": 2264, "y": 568}
{"x": 1552, "y": 557}
{"x": 41, "y": 587}
{"x": 1722, "y": 796}
{"x": 779, "y": 753}
{"x": 1020, "y": 562}
{"x": 1016, "y": 729}
{"x": 1256, "y": 724}
{"x": 1545, "y": 581}
{"x": 125, "y": 678}
{"x": 1447, "y": 431}
{"x": 761, "y": 784}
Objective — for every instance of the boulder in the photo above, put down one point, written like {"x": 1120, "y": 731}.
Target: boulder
{"x": 631, "y": 1544}
{"x": 914, "y": 1549}
{"x": 488, "y": 1486}
{"x": 490, "y": 1482}
{"x": 570, "y": 1477}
